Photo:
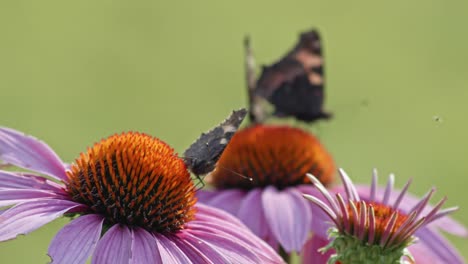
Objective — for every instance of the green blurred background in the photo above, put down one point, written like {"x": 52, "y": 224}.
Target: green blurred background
{"x": 72, "y": 73}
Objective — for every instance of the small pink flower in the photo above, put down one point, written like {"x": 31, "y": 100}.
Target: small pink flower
{"x": 369, "y": 220}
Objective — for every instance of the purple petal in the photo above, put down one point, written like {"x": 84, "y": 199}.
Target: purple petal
{"x": 114, "y": 247}
{"x": 348, "y": 184}
{"x": 402, "y": 194}
{"x": 170, "y": 252}
{"x": 194, "y": 252}
{"x": 373, "y": 186}
{"x": 228, "y": 200}
{"x": 389, "y": 188}
{"x": 363, "y": 224}
{"x": 240, "y": 246}
{"x": 16, "y": 180}
{"x": 288, "y": 215}
{"x": 328, "y": 197}
{"x": 216, "y": 246}
{"x": 422, "y": 254}
{"x": 76, "y": 241}
{"x": 206, "y": 195}
{"x": 438, "y": 245}
{"x": 252, "y": 214}
{"x": 30, "y": 153}
{"x": 331, "y": 214}
{"x": 206, "y": 210}
{"x": 371, "y": 233}
{"x": 212, "y": 251}
{"x": 310, "y": 253}
{"x": 144, "y": 247}
{"x": 216, "y": 221}
{"x": 449, "y": 225}
{"x": 11, "y": 196}
{"x": 26, "y": 217}
{"x": 226, "y": 225}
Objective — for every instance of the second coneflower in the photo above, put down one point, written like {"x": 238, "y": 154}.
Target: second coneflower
{"x": 275, "y": 159}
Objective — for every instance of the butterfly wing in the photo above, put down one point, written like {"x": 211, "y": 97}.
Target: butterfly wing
{"x": 295, "y": 84}
{"x": 201, "y": 157}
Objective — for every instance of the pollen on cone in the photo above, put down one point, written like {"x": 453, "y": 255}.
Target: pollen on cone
{"x": 134, "y": 179}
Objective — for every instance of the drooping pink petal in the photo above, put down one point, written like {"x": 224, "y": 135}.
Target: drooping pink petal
{"x": 75, "y": 243}
{"x": 217, "y": 226}
{"x": 114, "y": 247}
{"x": 239, "y": 246}
{"x": 144, "y": 247}
{"x": 450, "y": 225}
{"x": 170, "y": 252}
{"x": 222, "y": 245}
{"x": 438, "y": 245}
{"x": 288, "y": 216}
{"x": 228, "y": 200}
{"x": 26, "y": 217}
{"x": 216, "y": 221}
{"x": 423, "y": 254}
{"x": 11, "y": 196}
{"x": 252, "y": 214}
{"x": 18, "y": 180}
{"x": 215, "y": 214}
{"x": 195, "y": 253}
{"x": 190, "y": 241}
{"x": 30, "y": 153}
{"x": 310, "y": 253}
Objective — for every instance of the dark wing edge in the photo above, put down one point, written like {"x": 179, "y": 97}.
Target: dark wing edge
{"x": 202, "y": 155}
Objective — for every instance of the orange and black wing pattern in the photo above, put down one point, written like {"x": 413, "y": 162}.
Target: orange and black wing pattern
{"x": 294, "y": 85}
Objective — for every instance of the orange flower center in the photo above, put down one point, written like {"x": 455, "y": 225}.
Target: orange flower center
{"x": 382, "y": 215}
{"x": 136, "y": 180}
{"x": 272, "y": 155}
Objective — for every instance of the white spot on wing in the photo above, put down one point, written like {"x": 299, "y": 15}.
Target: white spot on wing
{"x": 229, "y": 128}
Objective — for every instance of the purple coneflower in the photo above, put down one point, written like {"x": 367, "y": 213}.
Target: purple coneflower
{"x": 276, "y": 159}
{"x": 366, "y": 229}
{"x": 131, "y": 199}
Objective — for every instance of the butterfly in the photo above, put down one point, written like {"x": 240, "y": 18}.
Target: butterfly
{"x": 294, "y": 85}
{"x": 201, "y": 157}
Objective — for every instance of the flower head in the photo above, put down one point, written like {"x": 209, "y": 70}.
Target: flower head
{"x": 276, "y": 159}
{"x": 371, "y": 230}
{"x": 132, "y": 201}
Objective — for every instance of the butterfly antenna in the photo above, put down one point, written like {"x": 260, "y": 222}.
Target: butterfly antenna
{"x": 236, "y": 173}
{"x": 256, "y": 114}
{"x": 201, "y": 184}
